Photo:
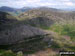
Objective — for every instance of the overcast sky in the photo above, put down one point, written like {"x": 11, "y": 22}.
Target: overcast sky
{"x": 37, "y": 3}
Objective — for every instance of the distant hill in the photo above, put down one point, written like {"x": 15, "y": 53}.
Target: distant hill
{"x": 24, "y": 9}
{"x": 45, "y": 16}
{"x": 69, "y": 9}
{"x": 7, "y": 9}
{"x": 14, "y": 11}
{"x": 48, "y": 9}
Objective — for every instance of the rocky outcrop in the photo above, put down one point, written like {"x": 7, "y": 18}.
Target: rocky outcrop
{"x": 18, "y": 34}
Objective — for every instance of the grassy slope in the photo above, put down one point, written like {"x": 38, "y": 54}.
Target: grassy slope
{"x": 66, "y": 29}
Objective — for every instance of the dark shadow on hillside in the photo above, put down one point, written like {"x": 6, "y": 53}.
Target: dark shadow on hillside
{"x": 41, "y": 22}
{"x": 6, "y": 20}
{"x": 5, "y": 17}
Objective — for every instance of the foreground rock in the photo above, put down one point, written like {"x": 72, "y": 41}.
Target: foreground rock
{"x": 18, "y": 34}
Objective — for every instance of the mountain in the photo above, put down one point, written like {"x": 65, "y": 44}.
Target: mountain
{"x": 14, "y": 11}
{"x": 7, "y": 9}
{"x": 69, "y": 9}
{"x": 48, "y": 9}
{"x": 25, "y": 9}
{"x": 46, "y": 16}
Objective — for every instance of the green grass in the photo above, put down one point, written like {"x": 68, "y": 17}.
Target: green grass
{"x": 44, "y": 27}
{"x": 63, "y": 30}
{"x": 66, "y": 29}
{"x": 10, "y": 53}
{"x": 7, "y": 53}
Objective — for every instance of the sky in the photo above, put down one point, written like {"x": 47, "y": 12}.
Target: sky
{"x": 38, "y": 3}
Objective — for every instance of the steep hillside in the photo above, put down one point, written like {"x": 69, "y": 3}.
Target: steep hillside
{"x": 46, "y": 17}
{"x": 6, "y": 20}
{"x": 6, "y": 17}
{"x": 48, "y": 12}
